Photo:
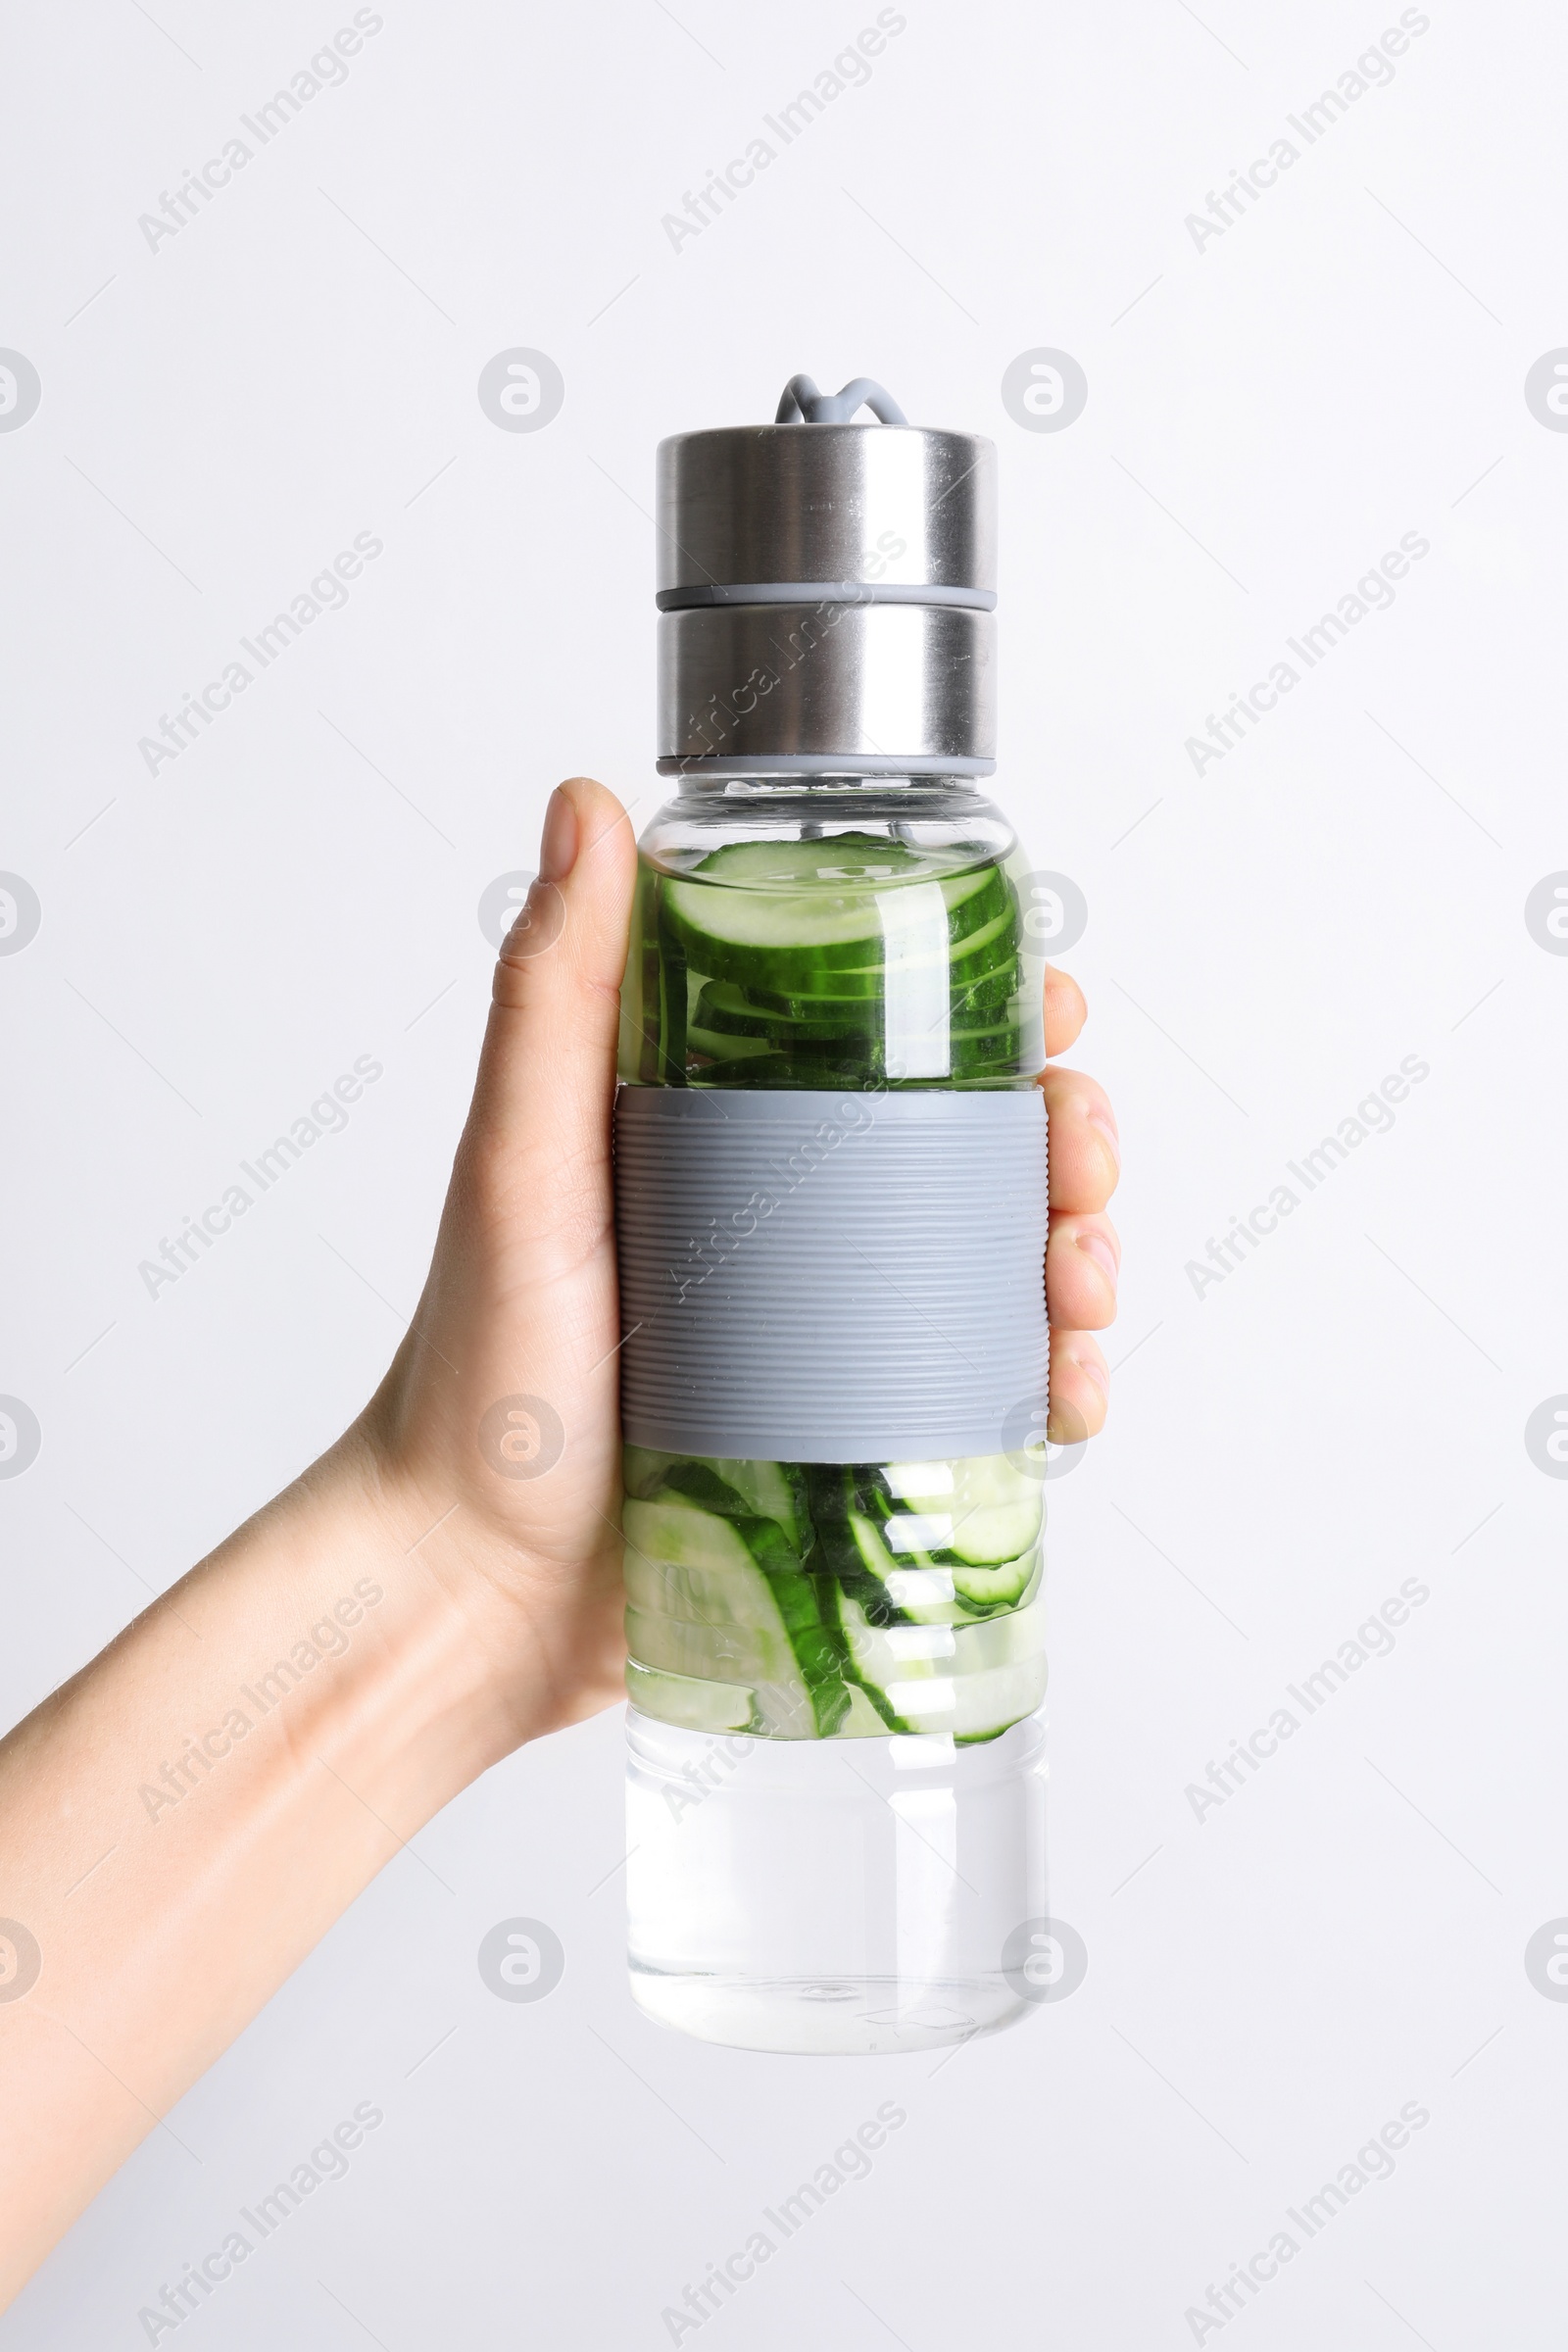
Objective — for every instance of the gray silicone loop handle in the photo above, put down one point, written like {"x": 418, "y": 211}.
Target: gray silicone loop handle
{"x": 831, "y": 1276}
{"x": 801, "y": 403}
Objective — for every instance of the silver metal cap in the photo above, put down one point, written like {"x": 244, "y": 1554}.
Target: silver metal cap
{"x": 748, "y": 690}
{"x": 888, "y": 507}
{"x": 827, "y": 592}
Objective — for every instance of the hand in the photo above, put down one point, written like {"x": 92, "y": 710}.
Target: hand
{"x": 1083, "y": 1255}
{"x": 521, "y": 1299}
{"x": 521, "y": 1303}
{"x": 412, "y": 1607}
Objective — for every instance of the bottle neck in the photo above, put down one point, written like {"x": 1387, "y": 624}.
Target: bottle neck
{"x": 829, "y": 782}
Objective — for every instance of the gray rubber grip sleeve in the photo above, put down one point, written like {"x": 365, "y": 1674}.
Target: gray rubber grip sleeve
{"x": 831, "y": 1276}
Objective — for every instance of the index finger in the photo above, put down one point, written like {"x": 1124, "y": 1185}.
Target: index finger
{"x": 1065, "y": 1010}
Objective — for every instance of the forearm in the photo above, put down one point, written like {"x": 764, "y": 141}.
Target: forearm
{"x": 183, "y": 1821}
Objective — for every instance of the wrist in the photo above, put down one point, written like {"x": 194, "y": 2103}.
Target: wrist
{"x": 423, "y": 1683}
{"x": 533, "y": 1598}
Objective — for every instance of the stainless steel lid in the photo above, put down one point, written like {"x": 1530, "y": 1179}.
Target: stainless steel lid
{"x": 827, "y": 592}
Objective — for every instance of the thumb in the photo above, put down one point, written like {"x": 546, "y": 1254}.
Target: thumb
{"x": 540, "y": 1120}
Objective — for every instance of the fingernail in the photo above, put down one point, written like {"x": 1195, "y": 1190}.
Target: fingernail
{"x": 558, "y": 843}
{"x": 1095, "y": 1246}
{"x": 1104, "y": 1125}
{"x": 1093, "y": 1369}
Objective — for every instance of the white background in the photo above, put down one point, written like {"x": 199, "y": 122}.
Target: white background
{"x": 1266, "y": 416}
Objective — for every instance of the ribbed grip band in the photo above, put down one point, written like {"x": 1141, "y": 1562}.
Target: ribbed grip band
{"x": 831, "y": 1276}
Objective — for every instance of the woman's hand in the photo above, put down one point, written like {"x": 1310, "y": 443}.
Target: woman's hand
{"x": 495, "y": 1434}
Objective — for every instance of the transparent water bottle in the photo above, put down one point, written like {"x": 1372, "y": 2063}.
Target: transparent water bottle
{"x": 831, "y": 1202}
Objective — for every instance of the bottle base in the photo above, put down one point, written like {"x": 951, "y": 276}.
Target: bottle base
{"x": 851, "y": 2018}
{"x": 839, "y": 1897}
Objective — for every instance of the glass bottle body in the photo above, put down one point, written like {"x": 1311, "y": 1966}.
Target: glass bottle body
{"x": 863, "y": 935}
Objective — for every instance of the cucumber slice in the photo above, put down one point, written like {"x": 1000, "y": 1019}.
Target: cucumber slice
{"x": 819, "y": 934}
{"x": 988, "y": 943}
{"x": 818, "y": 1647}
{"x": 885, "y": 1654}
{"x": 694, "y": 1704}
{"x": 989, "y": 963}
{"x": 927, "y": 1539}
{"x": 725, "y": 1652}
{"x": 971, "y": 1682}
{"x": 642, "y": 1468}
{"x": 792, "y": 1072}
{"x": 724, "y": 1030}
{"x": 929, "y": 1592}
{"x": 1000, "y": 985}
{"x": 801, "y": 982}
{"x": 673, "y": 994}
{"x": 983, "y": 1021}
{"x": 898, "y": 1582}
{"x": 741, "y": 1491}
{"x": 718, "y": 1046}
{"x": 1003, "y": 1587}
{"x": 972, "y": 1707}
{"x": 996, "y": 1510}
{"x": 917, "y": 1481}
{"x": 916, "y": 1534}
{"x": 781, "y": 1070}
{"x": 883, "y": 1651}
{"x": 726, "y": 1009}
{"x": 985, "y": 1538}
{"x": 685, "y": 1538}
{"x": 920, "y": 1595}
{"x": 833, "y": 1598}
{"x": 795, "y": 941}
{"x": 1008, "y": 1639}
{"x": 864, "y": 1719}
{"x": 693, "y": 1623}
{"x": 828, "y": 860}
{"x": 695, "y": 1483}
{"x": 736, "y": 1594}
{"x": 774, "y": 1490}
{"x": 711, "y": 1532}
{"x": 832, "y": 1492}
